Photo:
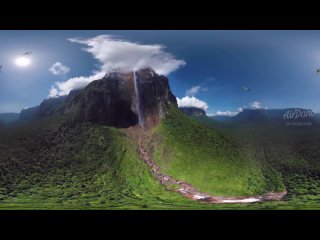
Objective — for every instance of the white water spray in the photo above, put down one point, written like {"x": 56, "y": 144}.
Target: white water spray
{"x": 138, "y": 103}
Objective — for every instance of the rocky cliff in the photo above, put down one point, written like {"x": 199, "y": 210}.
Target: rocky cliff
{"x": 113, "y": 100}
{"x": 156, "y": 96}
{"x": 30, "y": 113}
{"x": 193, "y": 111}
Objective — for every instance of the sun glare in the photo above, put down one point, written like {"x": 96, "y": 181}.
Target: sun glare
{"x": 22, "y": 61}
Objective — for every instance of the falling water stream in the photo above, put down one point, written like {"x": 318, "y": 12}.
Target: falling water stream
{"x": 138, "y": 103}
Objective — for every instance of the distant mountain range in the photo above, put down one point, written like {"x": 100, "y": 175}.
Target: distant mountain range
{"x": 287, "y": 114}
{"x": 282, "y": 117}
{"x": 54, "y": 106}
{"x": 193, "y": 111}
{"x": 9, "y": 117}
{"x": 222, "y": 118}
{"x": 271, "y": 116}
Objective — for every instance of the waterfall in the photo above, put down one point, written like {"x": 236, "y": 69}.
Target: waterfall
{"x": 138, "y": 103}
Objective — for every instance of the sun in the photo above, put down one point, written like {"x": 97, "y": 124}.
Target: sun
{"x": 22, "y": 61}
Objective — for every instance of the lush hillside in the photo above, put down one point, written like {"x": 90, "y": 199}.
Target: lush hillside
{"x": 209, "y": 159}
{"x": 82, "y": 151}
{"x": 293, "y": 151}
{"x": 47, "y": 164}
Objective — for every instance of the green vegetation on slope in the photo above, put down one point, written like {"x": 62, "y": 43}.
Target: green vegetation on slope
{"x": 50, "y": 165}
{"x": 292, "y": 151}
{"x": 209, "y": 159}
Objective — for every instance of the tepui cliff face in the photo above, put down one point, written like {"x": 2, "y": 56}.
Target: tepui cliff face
{"x": 193, "y": 111}
{"x": 120, "y": 99}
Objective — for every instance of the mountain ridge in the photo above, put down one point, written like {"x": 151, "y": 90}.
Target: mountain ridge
{"x": 112, "y": 100}
{"x": 280, "y": 115}
{"x": 9, "y": 117}
{"x": 193, "y": 111}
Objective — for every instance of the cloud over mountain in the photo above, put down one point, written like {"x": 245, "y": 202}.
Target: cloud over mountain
{"x": 256, "y": 105}
{"x": 192, "y": 102}
{"x": 117, "y": 54}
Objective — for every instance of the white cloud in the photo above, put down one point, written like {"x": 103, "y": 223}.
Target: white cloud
{"x": 192, "y": 102}
{"x": 256, "y": 105}
{"x": 63, "y": 88}
{"x": 225, "y": 113}
{"x": 117, "y": 54}
{"x": 114, "y": 53}
{"x": 53, "y": 92}
{"x": 195, "y": 90}
{"x": 59, "y": 69}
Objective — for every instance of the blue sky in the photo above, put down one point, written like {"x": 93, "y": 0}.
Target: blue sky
{"x": 279, "y": 67}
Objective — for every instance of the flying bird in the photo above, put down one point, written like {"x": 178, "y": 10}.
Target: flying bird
{"x": 27, "y": 53}
{"x": 318, "y": 70}
{"x": 0, "y": 68}
{"x": 246, "y": 89}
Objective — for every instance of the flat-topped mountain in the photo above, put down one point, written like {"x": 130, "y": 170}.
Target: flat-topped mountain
{"x": 193, "y": 111}
{"x": 120, "y": 99}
